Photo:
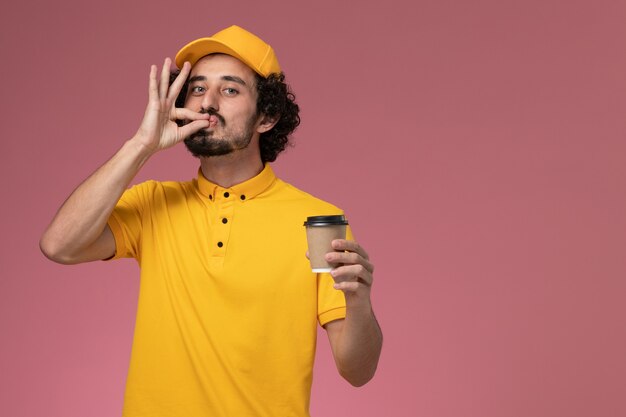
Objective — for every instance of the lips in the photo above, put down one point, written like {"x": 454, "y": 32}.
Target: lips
{"x": 213, "y": 120}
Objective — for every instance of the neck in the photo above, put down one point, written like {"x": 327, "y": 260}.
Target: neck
{"x": 232, "y": 169}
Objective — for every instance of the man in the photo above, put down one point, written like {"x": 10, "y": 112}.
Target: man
{"x": 228, "y": 305}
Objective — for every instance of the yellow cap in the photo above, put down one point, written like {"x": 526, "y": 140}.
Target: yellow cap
{"x": 236, "y": 42}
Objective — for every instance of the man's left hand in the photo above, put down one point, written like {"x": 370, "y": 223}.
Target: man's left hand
{"x": 354, "y": 272}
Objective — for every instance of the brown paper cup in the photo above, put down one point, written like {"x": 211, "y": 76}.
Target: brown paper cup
{"x": 320, "y": 232}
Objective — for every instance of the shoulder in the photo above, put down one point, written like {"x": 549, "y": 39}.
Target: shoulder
{"x": 153, "y": 185}
{"x": 151, "y": 190}
{"x": 292, "y": 196}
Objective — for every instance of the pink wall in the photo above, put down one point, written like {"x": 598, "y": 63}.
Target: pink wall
{"x": 478, "y": 148}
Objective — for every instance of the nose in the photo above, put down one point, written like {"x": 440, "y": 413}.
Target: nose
{"x": 210, "y": 100}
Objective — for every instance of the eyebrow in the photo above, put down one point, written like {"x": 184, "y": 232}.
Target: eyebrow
{"x": 232, "y": 78}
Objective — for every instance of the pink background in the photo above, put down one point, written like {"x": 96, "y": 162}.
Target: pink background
{"x": 478, "y": 148}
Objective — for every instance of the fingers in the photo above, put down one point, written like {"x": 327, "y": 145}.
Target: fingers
{"x": 352, "y": 279}
{"x": 347, "y": 286}
{"x": 159, "y": 88}
{"x": 153, "y": 92}
{"x": 349, "y": 258}
{"x": 164, "y": 85}
{"x": 186, "y": 114}
{"x": 355, "y": 271}
{"x": 178, "y": 83}
{"x": 352, "y": 273}
{"x": 191, "y": 128}
{"x": 349, "y": 245}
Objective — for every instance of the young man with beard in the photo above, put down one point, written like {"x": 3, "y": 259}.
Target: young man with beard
{"x": 228, "y": 305}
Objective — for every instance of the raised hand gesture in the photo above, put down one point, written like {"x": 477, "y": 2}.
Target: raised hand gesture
{"x": 159, "y": 129}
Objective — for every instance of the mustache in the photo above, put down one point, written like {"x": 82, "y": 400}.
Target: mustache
{"x": 212, "y": 112}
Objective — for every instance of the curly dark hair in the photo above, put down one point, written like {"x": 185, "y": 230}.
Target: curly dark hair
{"x": 275, "y": 100}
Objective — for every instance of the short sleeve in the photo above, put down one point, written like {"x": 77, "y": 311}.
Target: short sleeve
{"x": 331, "y": 303}
{"x": 126, "y": 221}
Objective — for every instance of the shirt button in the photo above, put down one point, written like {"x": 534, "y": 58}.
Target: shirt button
{"x": 224, "y": 220}
{"x": 210, "y": 197}
{"x": 220, "y": 244}
{"x": 226, "y": 194}
{"x": 243, "y": 197}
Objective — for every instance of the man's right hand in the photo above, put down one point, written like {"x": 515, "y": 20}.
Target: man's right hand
{"x": 79, "y": 231}
{"x": 159, "y": 129}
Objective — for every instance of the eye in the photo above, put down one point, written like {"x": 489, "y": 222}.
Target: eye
{"x": 197, "y": 90}
{"x": 230, "y": 91}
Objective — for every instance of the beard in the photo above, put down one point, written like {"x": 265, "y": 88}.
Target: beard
{"x": 205, "y": 143}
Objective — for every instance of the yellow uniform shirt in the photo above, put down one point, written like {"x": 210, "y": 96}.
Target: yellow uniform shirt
{"x": 228, "y": 305}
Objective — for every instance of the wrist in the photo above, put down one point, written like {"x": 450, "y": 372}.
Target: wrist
{"x": 137, "y": 145}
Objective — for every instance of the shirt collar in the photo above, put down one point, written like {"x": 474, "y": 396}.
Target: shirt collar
{"x": 244, "y": 191}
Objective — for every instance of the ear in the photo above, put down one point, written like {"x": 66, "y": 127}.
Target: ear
{"x": 267, "y": 123}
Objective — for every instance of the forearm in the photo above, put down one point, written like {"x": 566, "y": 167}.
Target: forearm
{"x": 83, "y": 216}
{"x": 360, "y": 342}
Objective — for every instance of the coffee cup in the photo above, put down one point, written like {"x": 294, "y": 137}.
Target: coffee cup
{"x": 320, "y": 232}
